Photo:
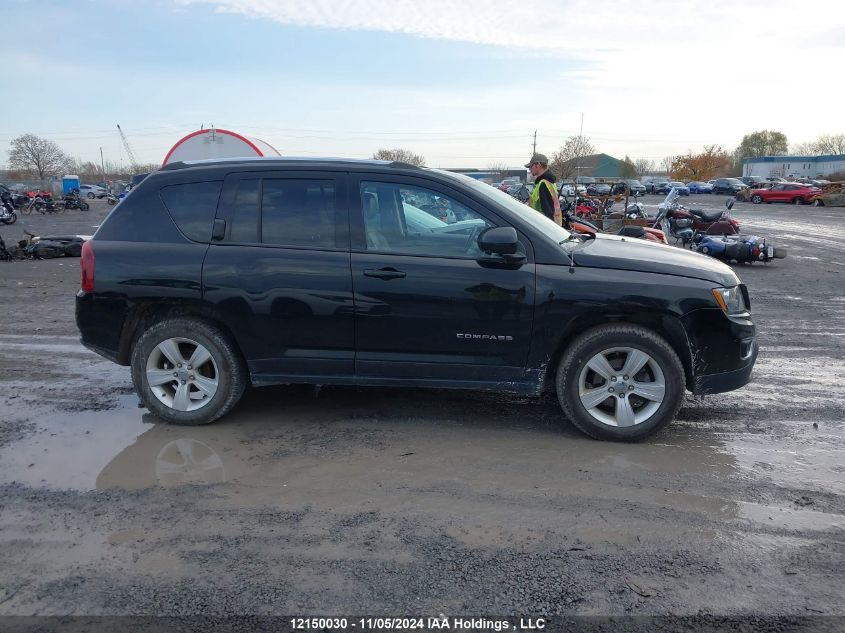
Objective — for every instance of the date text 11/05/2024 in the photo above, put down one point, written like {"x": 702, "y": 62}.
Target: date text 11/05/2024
{"x": 418, "y": 624}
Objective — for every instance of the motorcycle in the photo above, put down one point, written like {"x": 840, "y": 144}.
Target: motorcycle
{"x": 7, "y": 209}
{"x": 742, "y": 250}
{"x": 43, "y": 205}
{"x": 73, "y": 201}
{"x": 684, "y": 224}
{"x": 50, "y": 246}
{"x": 111, "y": 199}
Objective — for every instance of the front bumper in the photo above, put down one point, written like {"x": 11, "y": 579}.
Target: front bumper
{"x": 726, "y": 381}
{"x": 724, "y": 350}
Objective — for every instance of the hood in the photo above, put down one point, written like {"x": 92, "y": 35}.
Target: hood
{"x": 618, "y": 253}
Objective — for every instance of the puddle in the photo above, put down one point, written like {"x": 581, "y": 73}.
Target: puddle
{"x": 452, "y": 455}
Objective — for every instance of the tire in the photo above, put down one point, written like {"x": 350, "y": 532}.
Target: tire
{"x": 797, "y": 200}
{"x": 84, "y": 206}
{"x": 756, "y": 199}
{"x": 779, "y": 252}
{"x": 818, "y": 203}
{"x": 662, "y": 364}
{"x": 91, "y": 195}
{"x": 13, "y": 217}
{"x": 179, "y": 404}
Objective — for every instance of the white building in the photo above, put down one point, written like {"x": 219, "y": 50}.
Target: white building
{"x": 794, "y": 166}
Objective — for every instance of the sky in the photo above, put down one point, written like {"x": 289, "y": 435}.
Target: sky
{"x": 465, "y": 83}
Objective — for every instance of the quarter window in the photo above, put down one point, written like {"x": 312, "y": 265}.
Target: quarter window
{"x": 192, "y": 207}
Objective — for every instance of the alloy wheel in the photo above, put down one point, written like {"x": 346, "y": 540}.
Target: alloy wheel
{"x": 182, "y": 374}
{"x": 621, "y": 386}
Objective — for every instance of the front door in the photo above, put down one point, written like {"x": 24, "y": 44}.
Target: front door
{"x": 429, "y": 304}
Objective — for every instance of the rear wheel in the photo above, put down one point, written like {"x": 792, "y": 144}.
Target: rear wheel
{"x": 798, "y": 200}
{"x": 187, "y": 372}
{"x": 756, "y": 199}
{"x": 779, "y": 252}
{"x": 620, "y": 382}
{"x": 91, "y": 195}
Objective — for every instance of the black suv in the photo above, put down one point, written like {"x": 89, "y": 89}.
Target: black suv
{"x": 213, "y": 276}
{"x": 730, "y": 186}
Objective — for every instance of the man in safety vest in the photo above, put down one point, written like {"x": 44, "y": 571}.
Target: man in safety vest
{"x": 544, "y": 198}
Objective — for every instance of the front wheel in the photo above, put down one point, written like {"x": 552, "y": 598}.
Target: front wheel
{"x": 756, "y": 199}
{"x": 11, "y": 219}
{"x": 620, "y": 382}
{"x": 187, "y": 372}
{"x": 84, "y": 206}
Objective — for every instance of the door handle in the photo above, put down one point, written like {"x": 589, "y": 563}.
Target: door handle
{"x": 384, "y": 273}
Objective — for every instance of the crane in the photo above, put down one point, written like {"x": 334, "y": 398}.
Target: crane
{"x": 132, "y": 160}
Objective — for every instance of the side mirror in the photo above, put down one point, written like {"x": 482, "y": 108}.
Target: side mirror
{"x": 500, "y": 240}
{"x": 729, "y": 203}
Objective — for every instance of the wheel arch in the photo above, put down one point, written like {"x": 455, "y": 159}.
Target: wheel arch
{"x": 665, "y": 325}
{"x": 144, "y": 315}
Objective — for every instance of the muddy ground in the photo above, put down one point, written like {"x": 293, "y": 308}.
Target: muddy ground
{"x": 354, "y": 501}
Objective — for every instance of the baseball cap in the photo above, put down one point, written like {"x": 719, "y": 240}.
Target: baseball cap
{"x": 538, "y": 158}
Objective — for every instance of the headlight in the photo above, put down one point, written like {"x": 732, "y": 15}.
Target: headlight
{"x": 731, "y": 300}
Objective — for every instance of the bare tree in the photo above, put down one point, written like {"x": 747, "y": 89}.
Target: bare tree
{"x": 643, "y": 166}
{"x": 830, "y": 144}
{"x": 666, "y": 164}
{"x": 38, "y": 156}
{"x": 564, "y": 162}
{"x": 400, "y": 156}
{"x": 803, "y": 149}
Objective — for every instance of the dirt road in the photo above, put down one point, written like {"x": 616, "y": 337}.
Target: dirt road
{"x": 307, "y": 501}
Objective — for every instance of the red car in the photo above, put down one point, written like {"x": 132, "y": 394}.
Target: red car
{"x": 793, "y": 192}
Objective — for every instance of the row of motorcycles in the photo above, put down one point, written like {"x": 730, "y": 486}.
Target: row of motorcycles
{"x": 713, "y": 233}
{"x": 11, "y": 204}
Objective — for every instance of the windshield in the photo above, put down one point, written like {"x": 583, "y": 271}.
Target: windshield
{"x": 526, "y": 213}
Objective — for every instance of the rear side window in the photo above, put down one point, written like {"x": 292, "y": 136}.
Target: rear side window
{"x": 245, "y": 218}
{"x": 140, "y": 217}
{"x": 298, "y": 213}
{"x": 192, "y": 206}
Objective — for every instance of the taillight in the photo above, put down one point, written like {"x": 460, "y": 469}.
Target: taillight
{"x": 87, "y": 263}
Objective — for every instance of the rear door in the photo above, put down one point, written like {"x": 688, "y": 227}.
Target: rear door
{"x": 429, "y": 304}
{"x": 277, "y": 271}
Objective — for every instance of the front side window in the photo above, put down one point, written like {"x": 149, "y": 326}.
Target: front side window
{"x": 413, "y": 220}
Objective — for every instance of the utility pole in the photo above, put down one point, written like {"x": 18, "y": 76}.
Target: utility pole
{"x": 578, "y": 154}
{"x": 102, "y": 164}
{"x": 534, "y": 147}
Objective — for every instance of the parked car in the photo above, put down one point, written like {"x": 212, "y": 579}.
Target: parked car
{"x": 634, "y": 186}
{"x": 729, "y": 186}
{"x": 752, "y": 181}
{"x": 666, "y": 187}
{"x": 775, "y": 179}
{"x": 652, "y": 185}
{"x": 598, "y": 189}
{"x": 793, "y": 192}
{"x": 215, "y": 276}
{"x": 699, "y": 187}
{"x": 92, "y": 191}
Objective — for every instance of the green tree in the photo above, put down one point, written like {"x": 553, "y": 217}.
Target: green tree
{"x": 763, "y": 143}
{"x": 400, "y": 156}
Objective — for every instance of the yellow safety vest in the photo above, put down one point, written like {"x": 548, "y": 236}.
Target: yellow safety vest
{"x": 535, "y": 196}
